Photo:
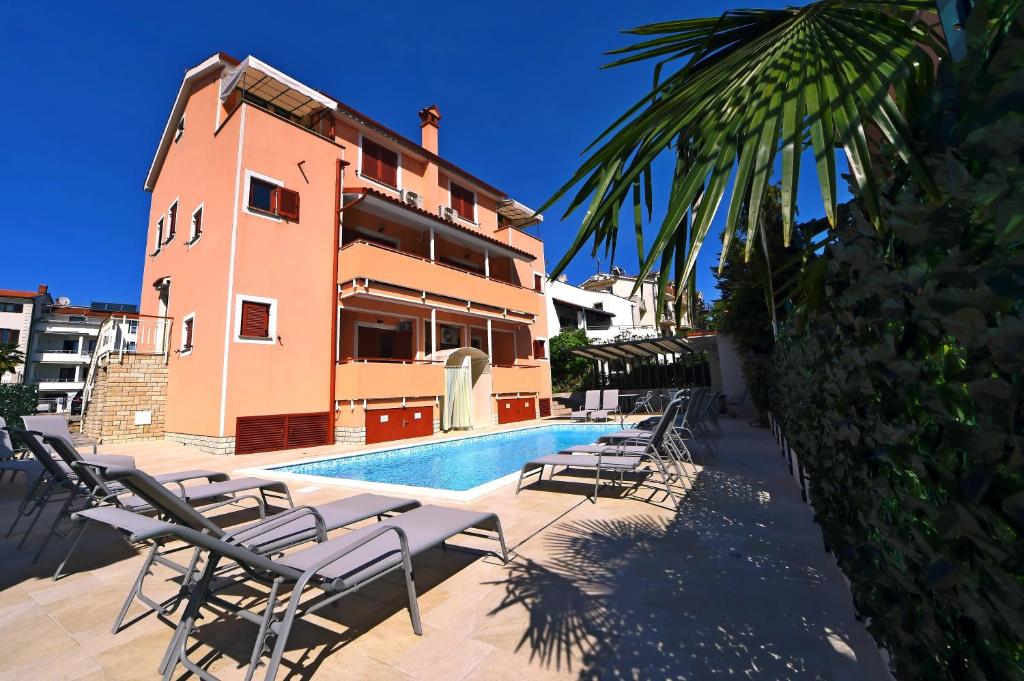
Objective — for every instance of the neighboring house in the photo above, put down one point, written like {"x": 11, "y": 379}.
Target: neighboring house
{"x": 604, "y": 315}
{"x": 64, "y": 338}
{"x": 646, "y": 298}
{"x": 321, "y": 270}
{"x": 18, "y": 310}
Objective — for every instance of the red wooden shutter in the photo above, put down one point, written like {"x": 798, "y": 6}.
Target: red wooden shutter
{"x": 388, "y": 167}
{"x": 197, "y": 224}
{"x": 371, "y": 165}
{"x": 379, "y": 163}
{"x": 463, "y": 201}
{"x": 538, "y": 283}
{"x": 255, "y": 319}
{"x": 188, "y": 333}
{"x": 172, "y": 218}
{"x": 287, "y": 202}
{"x": 538, "y": 349}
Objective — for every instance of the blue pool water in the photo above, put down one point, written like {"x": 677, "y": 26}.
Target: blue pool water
{"x": 456, "y": 465}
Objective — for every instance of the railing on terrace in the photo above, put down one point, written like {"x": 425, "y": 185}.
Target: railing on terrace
{"x": 421, "y": 258}
{"x": 122, "y": 335}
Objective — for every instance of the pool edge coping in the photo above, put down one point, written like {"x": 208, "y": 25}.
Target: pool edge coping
{"x": 460, "y": 496}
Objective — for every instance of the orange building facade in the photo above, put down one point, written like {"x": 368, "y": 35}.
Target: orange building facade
{"x": 324, "y": 275}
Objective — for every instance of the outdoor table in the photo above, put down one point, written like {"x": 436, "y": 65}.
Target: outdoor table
{"x": 630, "y": 399}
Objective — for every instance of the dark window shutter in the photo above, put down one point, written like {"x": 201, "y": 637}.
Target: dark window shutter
{"x": 197, "y": 224}
{"x": 463, "y": 201}
{"x": 288, "y": 204}
{"x": 379, "y": 163}
{"x": 172, "y": 221}
{"x": 538, "y": 349}
{"x": 188, "y": 334}
{"x": 255, "y": 320}
{"x": 538, "y": 283}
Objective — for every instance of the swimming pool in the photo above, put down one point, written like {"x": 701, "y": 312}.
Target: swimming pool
{"x": 459, "y": 465}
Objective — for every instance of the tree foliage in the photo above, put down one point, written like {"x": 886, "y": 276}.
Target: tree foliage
{"x": 569, "y": 372}
{"x": 17, "y": 400}
{"x": 10, "y": 359}
{"x": 753, "y": 85}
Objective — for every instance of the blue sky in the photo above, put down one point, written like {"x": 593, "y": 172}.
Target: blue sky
{"x": 89, "y": 88}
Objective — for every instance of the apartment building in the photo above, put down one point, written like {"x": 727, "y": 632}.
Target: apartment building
{"x": 18, "y": 311}
{"x": 64, "y": 337}
{"x": 323, "y": 274}
{"x": 604, "y": 315}
{"x": 619, "y": 283}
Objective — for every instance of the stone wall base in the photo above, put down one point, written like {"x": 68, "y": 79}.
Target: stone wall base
{"x": 207, "y": 443}
{"x": 349, "y": 435}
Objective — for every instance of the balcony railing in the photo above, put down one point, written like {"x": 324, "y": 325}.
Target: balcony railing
{"x": 365, "y": 260}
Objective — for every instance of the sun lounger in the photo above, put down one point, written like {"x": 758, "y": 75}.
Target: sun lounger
{"x": 56, "y": 424}
{"x": 591, "y": 404}
{"x": 272, "y": 534}
{"x": 32, "y": 470}
{"x": 336, "y": 567}
{"x": 613, "y": 460}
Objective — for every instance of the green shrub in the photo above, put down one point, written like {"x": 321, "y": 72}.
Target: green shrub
{"x": 901, "y": 391}
{"x": 17, "y": 400}
{"x": 569, "y": 372}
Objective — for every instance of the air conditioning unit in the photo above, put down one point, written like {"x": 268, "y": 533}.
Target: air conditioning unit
{"x": 412, "y": 199}
{"x": 446, "y": 212}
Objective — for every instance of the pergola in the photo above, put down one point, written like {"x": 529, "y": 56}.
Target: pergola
{"x": 647, "y": 363}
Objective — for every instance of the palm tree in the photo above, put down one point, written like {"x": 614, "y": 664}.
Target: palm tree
{"x": 10, "y": 359}
{"x": 754, "y": 85}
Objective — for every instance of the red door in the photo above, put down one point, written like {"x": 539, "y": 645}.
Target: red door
{"x": 383, "y": 425}
{"x": 515, "y": 409}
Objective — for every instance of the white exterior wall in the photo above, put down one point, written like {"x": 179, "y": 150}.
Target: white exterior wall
{"x": 623, "y": 309}
{"x": 22, "y": 322}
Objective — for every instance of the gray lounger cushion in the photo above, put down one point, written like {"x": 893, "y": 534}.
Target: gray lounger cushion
{"x": 210, "y": 491}
{"x": 424, "y": 527}
{"x": 628, "y": 450}
{"x": 586, "y": 461}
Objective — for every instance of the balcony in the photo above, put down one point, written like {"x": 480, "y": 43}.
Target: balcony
{"x": 362, "y": 260}
{"x": 62, "y": 357}
{"x": 61, "y": 384}
{"x": 69, "y": 324}
{"x": 520, "y": 378}
{"x": 359, "y": 379}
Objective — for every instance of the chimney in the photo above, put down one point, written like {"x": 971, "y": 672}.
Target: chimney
{"x": 43, "y": 288}
{"x": 429, "y": 118}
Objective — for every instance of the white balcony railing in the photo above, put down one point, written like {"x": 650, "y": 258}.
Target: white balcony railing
{"x": 62, "y": 357}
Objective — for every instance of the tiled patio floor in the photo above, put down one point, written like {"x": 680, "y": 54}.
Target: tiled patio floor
{"x": 734, "y": 585}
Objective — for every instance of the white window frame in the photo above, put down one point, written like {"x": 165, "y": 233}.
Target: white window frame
{"x": 249, "y": 175}
{"x": 476, "y": 204}
{"x": 547, "y": 350}
{"x": 192, "y": 238}
{"x": 168, "y": 238}
{"x": 179, "y": 129}
{"x": 398, "y": 170}
{"x": 271, "y": 325}
{"x": 543, "y": 282}
{"x": 158, "y": 233}
{"x": 182, "y": 352}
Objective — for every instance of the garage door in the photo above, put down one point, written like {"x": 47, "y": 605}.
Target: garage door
{"x": 383, "y": 425}
{"x": 516, "y": 409}
{"x": 281, "y": 431}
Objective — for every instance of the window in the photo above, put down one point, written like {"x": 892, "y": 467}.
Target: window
{"x": 196, "y": 230}
{"x": 538, "y": 282}
{"x": 267, "y": 197}
{"x": 172, "y": 221}
{"x": 12, "y": 307}
{"x": 463, "y": 202}
{"x": 180, "y": 129}
{"x": 379, "y": 163}
{"x": 538, "y": 349}
{"x": 380, "y": 342}
{"x": 188, "y": 326}
{"x": 449, "y": 337}
{"x": 599, "y": 306}
{"x": 255, "y": 319}
{"x": 66, "y": 374}
{"x": 9, "y": 336}
{"x": 159, "y": 236}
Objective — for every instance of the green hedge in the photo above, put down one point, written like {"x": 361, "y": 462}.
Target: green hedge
{"x": 17, "y": 400}
{"x": 902, "y": 394}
